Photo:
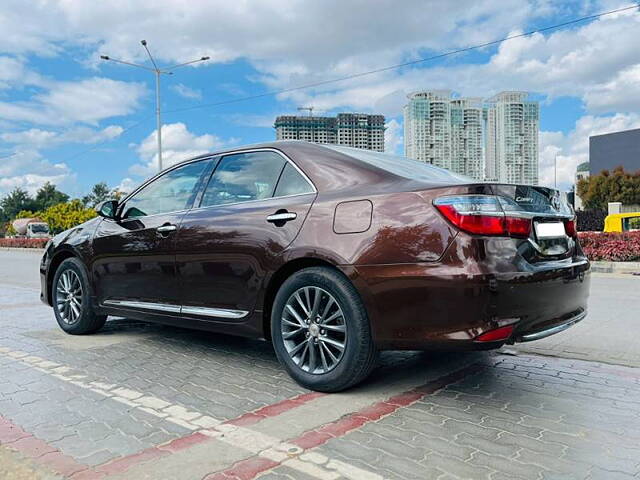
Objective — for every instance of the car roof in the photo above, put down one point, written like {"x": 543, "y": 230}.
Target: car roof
{"x": 331, "y": 167}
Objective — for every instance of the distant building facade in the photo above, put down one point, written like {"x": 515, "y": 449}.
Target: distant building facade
{"x": 612, "y": 150}
{"x": 511, "y": 138}
{"x": 582, "y": 171}
{"x": 445, "y": 131}
{"x": 495, "y": 140}
{"x": 357, "y": 130}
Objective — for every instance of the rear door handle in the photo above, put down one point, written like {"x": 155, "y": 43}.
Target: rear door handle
{"x": 281, "y": 217}
{"x": 166, "y": 228}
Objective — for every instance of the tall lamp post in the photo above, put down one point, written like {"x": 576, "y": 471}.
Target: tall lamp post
{"x": 157, "y": 71}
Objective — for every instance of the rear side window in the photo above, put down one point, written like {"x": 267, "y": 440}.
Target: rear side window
{"x": 292, "y": 183}
{"x": 243, "y": 177}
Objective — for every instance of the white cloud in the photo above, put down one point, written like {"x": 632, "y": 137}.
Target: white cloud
{"x": 127, "y": 185}
{"x": 29, "y": 170}
{"x": 35, "y": 137}
{"x": 13, "y": 72}
{"x": 178, "y": 144}
{"x": 393, "y": 137}
{"x": 187, "y": 92}
{"x": 86, "y": 101}
{"x": 572, "y": 148}
{"x": 581, "y": 62}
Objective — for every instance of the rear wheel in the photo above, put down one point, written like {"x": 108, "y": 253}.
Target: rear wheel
{"x": 71, "y": 299}
{"x": 320, "y": 330}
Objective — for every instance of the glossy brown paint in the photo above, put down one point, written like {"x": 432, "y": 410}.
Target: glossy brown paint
{"x": 424, "y": 283}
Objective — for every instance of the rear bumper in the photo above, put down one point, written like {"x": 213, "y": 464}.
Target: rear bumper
{"x": 424, "y": 306}
{"x": 547, "y": 332}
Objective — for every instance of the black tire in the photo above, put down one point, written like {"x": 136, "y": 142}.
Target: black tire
{"x": 86, "y": 321}
{"x": 359, "y": 354}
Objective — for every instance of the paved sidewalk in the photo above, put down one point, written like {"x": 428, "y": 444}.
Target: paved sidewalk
{"x": 142, "y": 401}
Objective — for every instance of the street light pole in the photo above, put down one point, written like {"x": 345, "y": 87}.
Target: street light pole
{"x": 157, "y": 71}
{"x": 158, "y": 121}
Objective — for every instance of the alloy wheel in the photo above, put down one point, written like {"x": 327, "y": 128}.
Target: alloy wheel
{"x": 69, "y": 296}
{"x": 314, "y": 330}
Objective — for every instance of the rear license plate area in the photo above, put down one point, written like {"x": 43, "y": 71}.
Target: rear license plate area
{"x": 546, "y": 230}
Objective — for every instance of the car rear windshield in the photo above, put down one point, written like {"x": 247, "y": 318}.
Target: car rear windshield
{"x": 403, "y": 166}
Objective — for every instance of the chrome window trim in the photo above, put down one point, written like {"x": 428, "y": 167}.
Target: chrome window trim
{"x": 164, "y": 307}
{"x": 199, "y": 197}
{"x": 158, "y": 175}
{"x": 254, "y": 150}
{"x": 222, "y": 205}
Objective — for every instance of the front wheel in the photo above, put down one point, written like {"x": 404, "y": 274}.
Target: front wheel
{"x": 72, "y": 300}
{"x": 321, "y": 332}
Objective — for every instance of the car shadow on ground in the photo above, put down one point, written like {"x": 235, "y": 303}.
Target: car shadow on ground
{"x": 394, "y": 368}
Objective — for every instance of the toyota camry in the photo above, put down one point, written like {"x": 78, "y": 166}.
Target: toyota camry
{"x": 329, "y": 252}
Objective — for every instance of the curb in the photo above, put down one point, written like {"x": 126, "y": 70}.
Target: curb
{"x": 615, "y": 267}
{"x": 22, "y": 249}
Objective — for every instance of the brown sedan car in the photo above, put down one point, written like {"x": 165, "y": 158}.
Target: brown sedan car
{"x": 330, "y": 252}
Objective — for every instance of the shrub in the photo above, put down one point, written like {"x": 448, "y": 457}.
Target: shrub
{"x": 613, "y": 247}
{"x": 66, "y": 215}
{"x": 23, "y": 242}
{"x": 590, "y": 220}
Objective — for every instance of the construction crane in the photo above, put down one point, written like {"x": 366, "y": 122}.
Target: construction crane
{"x": 310, "y": 109}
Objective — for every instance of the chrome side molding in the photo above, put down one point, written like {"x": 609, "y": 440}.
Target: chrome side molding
{"x": 163, "y": 307}
{"x": 214, "y": 312}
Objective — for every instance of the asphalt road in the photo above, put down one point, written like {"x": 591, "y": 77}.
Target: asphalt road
{"x": 608, "y": 334}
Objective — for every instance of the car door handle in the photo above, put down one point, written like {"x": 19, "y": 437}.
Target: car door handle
{"x": 166, "y": 228}
{"x": 281, "y": 217}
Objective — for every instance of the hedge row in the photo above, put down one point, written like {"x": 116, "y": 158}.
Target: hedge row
{"x": 23, "y": 242}
{"x": 590, "y": 220}
{"x": 612, "y": 247}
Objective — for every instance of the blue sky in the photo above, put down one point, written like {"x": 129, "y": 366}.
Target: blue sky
{"x": 69, "y": 118}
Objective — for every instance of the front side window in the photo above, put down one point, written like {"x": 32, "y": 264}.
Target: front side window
{"x": 171, "y": 192}
{"x": 243, "y": 177}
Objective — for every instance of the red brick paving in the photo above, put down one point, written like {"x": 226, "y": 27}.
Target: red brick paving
{"x": 15, "y": 438}
{"x": 251, "y": 467}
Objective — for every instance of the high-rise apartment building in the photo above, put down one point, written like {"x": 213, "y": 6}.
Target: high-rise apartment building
{"x": 349, "y": 129}
{"x": 496, "y": 140}
{"x": 511, "y": 138}
{"x": 445, "y": 131}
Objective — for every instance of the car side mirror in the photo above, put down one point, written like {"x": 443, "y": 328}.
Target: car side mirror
{"x": 107, "y": 209}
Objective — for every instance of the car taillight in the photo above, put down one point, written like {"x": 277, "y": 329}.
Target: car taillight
{"x": 570, "y": 227}
{"x": 482, "y": 215}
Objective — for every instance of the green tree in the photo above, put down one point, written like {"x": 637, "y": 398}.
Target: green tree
{"x": 99, "y": 193}
{"x": 15, "y": 202}
{"x": 62, "y": 216}
{"x": 48, "y": 196}
{"x": 597, "y": 191}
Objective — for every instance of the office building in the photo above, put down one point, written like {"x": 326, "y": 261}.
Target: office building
{"x": 611, "y": 150}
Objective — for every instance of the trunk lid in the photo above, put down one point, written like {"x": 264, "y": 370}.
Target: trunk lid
{"x": 553, "y": 228}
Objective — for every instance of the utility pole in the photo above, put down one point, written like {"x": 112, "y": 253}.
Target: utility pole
{"x": 157, "y": 71}
{"x": 555, "y": 171}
